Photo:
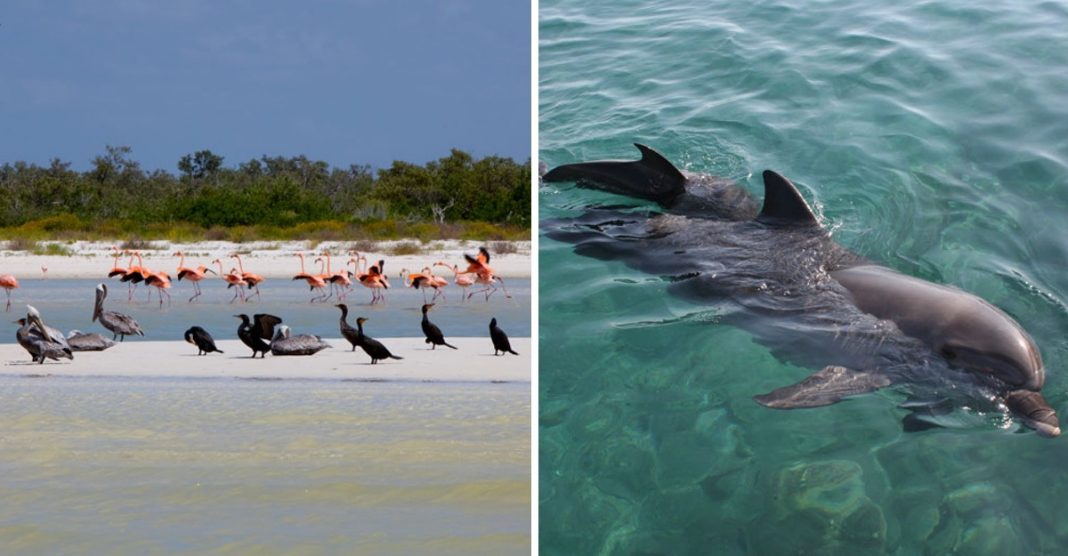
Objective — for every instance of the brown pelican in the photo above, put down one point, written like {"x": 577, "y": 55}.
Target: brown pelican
{"x": 371, "y": 346}
{"x": 200, "y": 337}
{"x": 254, "y": 333}
{"x": 41, "y": 341}
{"x": 91, "y": 341}
{"x": 434, "y": 337}
{"x": 301, "y": 344}
{"x": 500, "y": 339}
{"x": 119, "y": 324}
{"x": 350, "y": 333}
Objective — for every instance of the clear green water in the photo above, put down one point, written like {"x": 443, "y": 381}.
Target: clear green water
{"x": 931, "y": 137}
{"x": 160, "y": 466}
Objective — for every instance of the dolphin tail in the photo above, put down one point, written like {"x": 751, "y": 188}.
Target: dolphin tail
{"x": 825, "y": 387}
{"x": 652, "y": 177}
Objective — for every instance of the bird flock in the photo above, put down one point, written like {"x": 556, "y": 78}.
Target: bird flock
{"x": 326, "y": 284}
{"x": 263, "y": 333}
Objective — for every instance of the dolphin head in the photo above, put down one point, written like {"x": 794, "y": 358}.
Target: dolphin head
{"x": 985, "y": 340}
{"x": 989, "y": 341}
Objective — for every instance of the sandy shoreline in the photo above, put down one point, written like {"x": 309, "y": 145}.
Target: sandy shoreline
{"x": 473, "y": 361}
{"x": 271, "y": 259}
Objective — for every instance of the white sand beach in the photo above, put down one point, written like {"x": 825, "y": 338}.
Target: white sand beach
{"x": 473, "y": 361}
{"x": 271, "y": 259}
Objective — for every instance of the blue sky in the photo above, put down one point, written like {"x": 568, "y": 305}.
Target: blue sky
{"x": 359, "y": 81}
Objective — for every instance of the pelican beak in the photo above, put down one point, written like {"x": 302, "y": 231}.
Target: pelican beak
{"x": 35, "y": 318}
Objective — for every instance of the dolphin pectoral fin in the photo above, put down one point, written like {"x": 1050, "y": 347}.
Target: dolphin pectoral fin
{"x": 824, "y": 387}
{"x": 652, "y": 177}
{"x": 925, "y": 414}
{"x": 918, "y": 422}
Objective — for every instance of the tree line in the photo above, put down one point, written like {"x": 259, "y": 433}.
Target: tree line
{"x": 277, "y": 191}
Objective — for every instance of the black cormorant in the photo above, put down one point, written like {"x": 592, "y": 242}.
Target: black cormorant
{"x": 500, "y": 339}
{"x": 254, "y": 333}
{"x": 200, "y": 337}
{"x": 347, "y": 331}
{"x": 371, "y": 346}
{"x": 434, "y": 337}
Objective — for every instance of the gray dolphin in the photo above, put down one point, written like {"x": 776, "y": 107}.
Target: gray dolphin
{"x": 778, "y": 274}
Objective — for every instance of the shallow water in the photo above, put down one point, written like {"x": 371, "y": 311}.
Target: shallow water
{"x": 147, "y": 466}
{"x": 68, "y": 304}
{"x": 931, "y": 137}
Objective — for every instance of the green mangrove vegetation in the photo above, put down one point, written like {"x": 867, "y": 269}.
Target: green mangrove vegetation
{"x": 272, "y": 198}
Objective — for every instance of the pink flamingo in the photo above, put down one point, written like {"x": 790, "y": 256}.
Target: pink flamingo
{"x": 8, "y": 282}
{"x": 423, "y": 280}
{"x": 479, "y": 266}
{"x": 461, "y": 279}
{"x": 194, "y": 275}
{"x": 253, "y": 280}
{"x": 376, "y": 280}
{"x": 117, "y": 270}
{"x": 339, "y": 281}
{"x": 314, "y": 282}
{"x": 134, "y": 274}
{"x": 233, "y": 280}
{"x": 162, "y": 282}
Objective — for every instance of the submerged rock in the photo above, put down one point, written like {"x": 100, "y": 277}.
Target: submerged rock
{"x": 990, "y": 535}
{"x": 832, "y": 488}
{"x": 820, "y": 508}
{"x": 973, "y": 499}
{"x": 625, "y": 469}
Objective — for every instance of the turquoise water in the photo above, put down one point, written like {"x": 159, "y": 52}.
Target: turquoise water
{"x": 68, "y": 304}
{"x": 162, "y": 466}
{"x": 931, "y": 137}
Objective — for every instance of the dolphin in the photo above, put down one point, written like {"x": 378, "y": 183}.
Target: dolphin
{"x": 777, "y": 273}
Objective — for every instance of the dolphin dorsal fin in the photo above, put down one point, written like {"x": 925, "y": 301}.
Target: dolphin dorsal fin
{"x": 656, "y": 161}
{"x": 784, "y": 203}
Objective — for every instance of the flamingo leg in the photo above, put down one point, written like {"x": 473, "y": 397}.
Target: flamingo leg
{"x": 506, "y": 294}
